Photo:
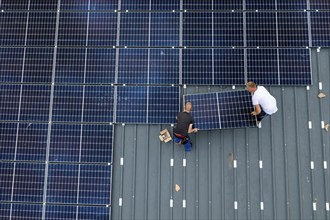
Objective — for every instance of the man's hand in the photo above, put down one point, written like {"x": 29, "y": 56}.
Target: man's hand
{"x": 254, "y": 113}
{"x": 195, "y": 130}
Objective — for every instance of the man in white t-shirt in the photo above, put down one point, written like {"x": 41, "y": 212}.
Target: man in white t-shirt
{"x": 264, "y": 103}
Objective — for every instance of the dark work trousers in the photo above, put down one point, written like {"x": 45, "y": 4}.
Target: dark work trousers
{"x": 179, "y": 139}
{"x": 261, "y": 115}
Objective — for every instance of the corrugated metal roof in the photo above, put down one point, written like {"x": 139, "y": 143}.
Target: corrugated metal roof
{"x": 280, "y": 171}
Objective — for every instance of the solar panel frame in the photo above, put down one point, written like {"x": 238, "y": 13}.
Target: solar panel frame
{"x": 26, "y": 211}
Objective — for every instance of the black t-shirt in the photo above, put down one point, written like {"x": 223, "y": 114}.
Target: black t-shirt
{"x": 184, "y": 119}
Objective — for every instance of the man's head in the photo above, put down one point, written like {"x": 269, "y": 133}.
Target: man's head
{"x": 251, "y": 86}
{"x": 188, "y": 107}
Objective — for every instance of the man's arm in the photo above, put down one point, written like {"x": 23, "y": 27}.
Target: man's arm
{"x": 257, "y": 110}
{"x": 191, "y": 129}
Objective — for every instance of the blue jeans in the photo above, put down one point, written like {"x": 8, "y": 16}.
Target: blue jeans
{"x": 187, "y": 142}
{"x": 261, "y": 115}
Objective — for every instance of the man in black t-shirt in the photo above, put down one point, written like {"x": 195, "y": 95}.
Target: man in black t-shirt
{"x": 184, "y": 126}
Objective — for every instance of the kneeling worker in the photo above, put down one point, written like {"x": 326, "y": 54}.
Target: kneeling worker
{"x": 263, "y": 101}
{"x": 184, "y": 126}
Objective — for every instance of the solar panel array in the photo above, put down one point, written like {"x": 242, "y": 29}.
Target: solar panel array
{"x": 222, "y": 110}
{"x": 69, "y": 69}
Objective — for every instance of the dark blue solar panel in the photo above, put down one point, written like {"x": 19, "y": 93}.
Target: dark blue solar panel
{"x": 291, "y": 5}
{"x": 26, "y": 211}
{"x": 262, "y": 66}
{"x": 81, "y": 143}
{"x": 98, "y": 190}
{"x": 295, "y": 66}
{"x": 98, "y": 104}
{"x": 6, "y": 181}
{"x": 14, "y": 5}
{"x": 87, "y": 212}
{"x": 197, "y": 66}
{"x": 38, "y": 65}
{"x": 164, "y": 66}
{"x": 228, "y": 29}
{"x": 9, "y": 102}
{"x": 102, "y": 29}
{"x": 8, "y": 133}
{"x": 35, "y": 103}
{"x": 164, "y": 29}
{"x": 29, "y": 182}
{"x": 133, "y": 66}
{"x": 235, "y": 109}
{"x": 320, "y": 4}
{"x": 76, "y": 5}
{"x": 65, "y": 143}
{"x": 13, "y": 28}
{"x": 70, "y": 65}
{"x": 205, "y": 110}
{"x": 260, "y": 4}
{"x": 62, "y": 183}
{"x": 72, "y": 29}
{"x": 135, "y": 5}
{"x": 163, "y": 104}
{"x": 82, "y": 184}
{"x": 165, "y": 5}
{"x": 5, "y": 210}
{"x": 42, "y": 5}
{"x": 100, "y": 66}
{"x": 213, "y": 4}
{"x": 104, "y": 5}
{"x": 131, "y": 104}
{"x": 134, "y": 29}
{"x": 292, "y": 29}
{"x": 197, "y": 29}
{"x": 61, "y": 212}
{"x": 229, "y": 66}
{"x": 41, "y": 29}
{"x": 229, "y": 109}
{"x": 31, "y": 142}
{"x": 227, "y": 4}
{"x": 320, "y": 29}
{"x": 97, "y": 143}
{"x": 261, "y": 29}
{"x": 67, "y": 103}
{"x": 11, "y": 64}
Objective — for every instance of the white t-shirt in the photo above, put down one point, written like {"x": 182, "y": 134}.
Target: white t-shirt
{"x": 267, "y": 102}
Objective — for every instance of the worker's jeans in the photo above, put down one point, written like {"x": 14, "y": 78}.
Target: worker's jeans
{"x": 186, "y": 142}
{"x": 261, "y": 115}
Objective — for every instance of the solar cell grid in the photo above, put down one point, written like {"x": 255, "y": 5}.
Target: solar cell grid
{"x": 261, "y": 29}
{"x": 29, "y": 182}
{"x": 11, "y": 64}
{"x": 13, "y": 28}
{"x": 291, "y": 5}
{"x": 72, "y": 29}
{"x": 262, "y": 66}
{"x": 197, "y": 66}
{"x": 26, "y": 211}
{"x": 197, "y": 29}
{"x": 228, "y": 66}
{"x": 14, "y": 5}
{"x": 164, "y": 66}
{"x": 320, "y": 29}
{"x": 164, "y": 29}
{"x": 228, "y": 29}
{"x": 6, "y": 181}
{"x": 134, "y": 29}
{"x": 292, "y": 29}
{"x": 136, "y": 5}
{"x": 8, "y": 133}
{"x": 102, "y": 29}
{"x": 320, "y": 4}
{"x": 222, "y": 110}
{"x": 9, "y": 104}
{"x": 260, "y": 4}
{"x": 41, "y": 29}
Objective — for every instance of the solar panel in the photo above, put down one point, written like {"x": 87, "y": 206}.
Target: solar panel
{"x": 6, "y": 181}
{"x": 261, "y": 29}
{"x": 220, "y": 110}
{"x": 72, "y": 29}
{"x": 102, "y": 29}
{"x": 292, "y": 29}
{"x": 134, "y": 29}
{"x": 13, "y": 28}
{"x": 164, "y": 66}
{"x": 320, "y": 26}
{"x": 11, "y": 64}
{"x": 28, "y": 184}
{"x": 140, "y": 104}
{"x": 213, "y": 5}
{"x": 261, "y": 4}
{"x": 77, "y": 212}
{"x": 291, "y": 5}
{"x": 86, "y": 143}
{"x": 320, "y": 4}
{"x": 71, "y": 184}
{"x": 26, "y": 211}
{"x": 164, "y": 29}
